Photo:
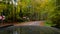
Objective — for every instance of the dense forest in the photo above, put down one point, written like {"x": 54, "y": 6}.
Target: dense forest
{"x": 31, "y": 10}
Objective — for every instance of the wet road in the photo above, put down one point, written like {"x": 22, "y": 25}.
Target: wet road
{"x": 35, "y": 27}
{"x": 29, "y": 30}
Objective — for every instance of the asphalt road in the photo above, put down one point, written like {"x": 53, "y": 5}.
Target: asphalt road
{"x": 29, "y": 30}
{"x": 35, "y": 27}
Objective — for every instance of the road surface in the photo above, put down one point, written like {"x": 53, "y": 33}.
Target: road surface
{"x": 33, "y": 23}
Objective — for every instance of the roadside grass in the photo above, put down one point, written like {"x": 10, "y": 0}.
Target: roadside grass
{"x": 48, "y": 23}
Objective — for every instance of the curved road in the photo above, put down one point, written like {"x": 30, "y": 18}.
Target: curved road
{"x": 33, "y": 23}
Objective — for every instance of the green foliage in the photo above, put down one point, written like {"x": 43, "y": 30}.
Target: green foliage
{"x": 48, "y": 10}
{"x": 54, "y": 13}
